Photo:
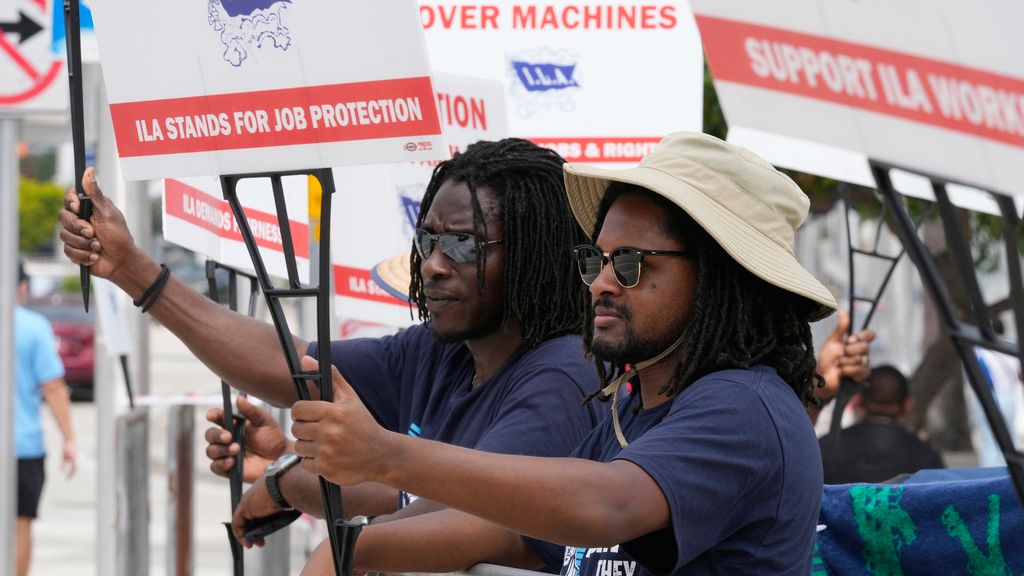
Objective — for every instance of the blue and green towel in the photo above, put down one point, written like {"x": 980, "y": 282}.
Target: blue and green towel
{"x": 936, "y": 522}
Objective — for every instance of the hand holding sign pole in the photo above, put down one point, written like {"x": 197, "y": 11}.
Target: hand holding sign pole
{"x": 72, "y": 34}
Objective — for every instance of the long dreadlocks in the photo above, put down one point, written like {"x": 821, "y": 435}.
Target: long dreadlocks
{"x": 542, "y": 290}
{"x": 736, "y": 319}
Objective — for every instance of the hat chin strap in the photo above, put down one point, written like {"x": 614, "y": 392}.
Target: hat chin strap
{"x": 612, "y": 389}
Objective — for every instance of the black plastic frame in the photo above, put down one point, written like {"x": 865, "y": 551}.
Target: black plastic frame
{"x": 847, "y": 387}
{"x": 73, "y": 46}
{"x": 342, "y": 533}
{"x": 235, "y": 423}
{"x": 964, "y": 335}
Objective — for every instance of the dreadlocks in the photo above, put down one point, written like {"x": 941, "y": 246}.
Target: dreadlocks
{"x": 541, "y": 286}
{"x": 736, "y": 319}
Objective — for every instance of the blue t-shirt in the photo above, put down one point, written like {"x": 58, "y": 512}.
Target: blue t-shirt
{"x": 415, "y": 384}
{"x": 36, "y": 363}
{"x": 736, "y": 457}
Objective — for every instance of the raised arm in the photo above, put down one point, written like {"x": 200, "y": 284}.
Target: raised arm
{"x": 842, "y": 357}
{"x": 243, "y": 351}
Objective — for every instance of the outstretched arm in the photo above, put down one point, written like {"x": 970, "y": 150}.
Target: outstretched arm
{"x": 442, "y": 541}
{"x": 564, "y": 500}
{"x": 243, "y": 351}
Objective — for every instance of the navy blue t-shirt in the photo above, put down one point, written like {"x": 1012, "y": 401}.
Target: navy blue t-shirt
{"x": 736, "y": 457}
{"x": 415, "y": 384}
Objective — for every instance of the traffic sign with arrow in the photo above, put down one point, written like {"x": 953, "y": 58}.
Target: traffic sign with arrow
{"x": 25, "y": 27}
{"x": 30, "y": 73}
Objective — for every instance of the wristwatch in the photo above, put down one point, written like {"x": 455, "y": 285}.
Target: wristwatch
{"x": 272, "y": 477}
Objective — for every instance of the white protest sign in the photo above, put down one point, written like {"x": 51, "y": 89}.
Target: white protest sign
{"x": 375, "y": 207}
{"x": 935, "y": 86}
{"x": 32, "y": 78}
{"x": 244, "y": 86}
{"x": 196, "y": 216}
{"x": 113, "y": 319}
{"x": 597, "y": 82}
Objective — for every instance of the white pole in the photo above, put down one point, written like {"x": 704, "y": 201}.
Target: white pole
{"x": 106, "y": 379}
{"x": 123, "y": 532}
{"x": 9, "y": 128}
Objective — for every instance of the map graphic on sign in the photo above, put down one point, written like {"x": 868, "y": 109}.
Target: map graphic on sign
{"x": 245, "y": 25}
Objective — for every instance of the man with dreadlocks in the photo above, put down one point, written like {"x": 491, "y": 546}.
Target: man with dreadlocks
{"x": 496, "y": 365}
{"x": 710, "y": 464}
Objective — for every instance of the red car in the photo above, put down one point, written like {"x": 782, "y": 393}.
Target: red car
{"x": 73, "y": 332}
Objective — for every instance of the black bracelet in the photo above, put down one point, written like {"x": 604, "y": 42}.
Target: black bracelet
{"x": 153, "y": 292}
{"x": 159, "y": 290}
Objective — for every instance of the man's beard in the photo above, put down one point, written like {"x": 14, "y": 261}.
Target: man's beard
{"x": 631, "y": 349}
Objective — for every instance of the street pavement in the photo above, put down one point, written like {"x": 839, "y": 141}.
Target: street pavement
{"x": 65, "y": 533}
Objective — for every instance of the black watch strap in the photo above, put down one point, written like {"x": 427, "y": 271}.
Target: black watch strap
{"x": 274, "y": 489}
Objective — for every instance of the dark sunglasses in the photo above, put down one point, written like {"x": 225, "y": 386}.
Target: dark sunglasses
{"x": 457, "y": 246}
{"x": 626, "y": 262}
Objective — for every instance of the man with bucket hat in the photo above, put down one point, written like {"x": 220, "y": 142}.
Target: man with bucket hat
{"x": 709, "y": 464}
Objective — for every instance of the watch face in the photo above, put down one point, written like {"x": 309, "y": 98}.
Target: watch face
{"x": 281, "y": 463}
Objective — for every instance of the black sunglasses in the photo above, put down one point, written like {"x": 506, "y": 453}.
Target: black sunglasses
{"x": 457, "y": 246}
{"x": 626, "y": 262}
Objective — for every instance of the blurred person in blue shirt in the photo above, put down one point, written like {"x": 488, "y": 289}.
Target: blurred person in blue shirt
{"x": 39, "y": 376}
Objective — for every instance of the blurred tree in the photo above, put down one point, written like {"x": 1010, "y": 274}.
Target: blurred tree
{"x": 38, "y": 205}
{"x": 39, "y": 165}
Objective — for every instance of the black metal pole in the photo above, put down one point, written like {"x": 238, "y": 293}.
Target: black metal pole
{"x": 127, "y": 380}
{"x": 234, "y": 423}
{"x": 73, "y": 45}
{"x": 847, "y": 387}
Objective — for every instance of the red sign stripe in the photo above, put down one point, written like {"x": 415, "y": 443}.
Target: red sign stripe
{"x": 358, "y": 283}
{"x": 929, "y": 91}
{"x": 307, "y": 115}
{"x": 599, "y": 148}
{"x": 214, "y": 214}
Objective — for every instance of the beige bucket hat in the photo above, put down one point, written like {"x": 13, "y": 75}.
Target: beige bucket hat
{"x": 751, "y": 209}
{"x": 392, "y": 275}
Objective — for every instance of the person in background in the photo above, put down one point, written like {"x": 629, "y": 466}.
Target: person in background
{"x": 878, "y": 447}
{"x": 39, "y": 376}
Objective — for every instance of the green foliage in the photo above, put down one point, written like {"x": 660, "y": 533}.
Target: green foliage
{"x": 987, "y": 238}
{"x": 38, "y": 205}
{"x": 714, "y": 120}
{"x": 71, "y": 284}
{"x": 39, "y": 166}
